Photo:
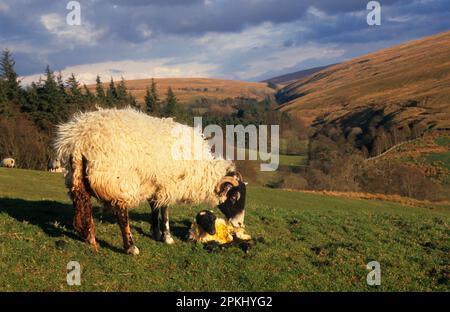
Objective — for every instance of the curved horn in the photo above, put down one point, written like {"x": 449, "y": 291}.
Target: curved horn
{"x": 239, "y": 176}
{"x": 226, "y": 179}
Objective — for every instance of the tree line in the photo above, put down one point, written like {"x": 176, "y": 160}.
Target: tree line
{"x": 28, "y": 114}
{"x": 52, "y": 99}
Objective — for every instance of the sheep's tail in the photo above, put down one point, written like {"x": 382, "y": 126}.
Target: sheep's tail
{"x": 83, "y": 221}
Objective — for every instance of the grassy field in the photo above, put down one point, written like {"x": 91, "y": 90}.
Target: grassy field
{"x": 307, "y": 242}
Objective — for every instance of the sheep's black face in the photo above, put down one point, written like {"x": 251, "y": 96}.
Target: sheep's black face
{"x": 234, "y": 205}
{"x": 207, "y": 221}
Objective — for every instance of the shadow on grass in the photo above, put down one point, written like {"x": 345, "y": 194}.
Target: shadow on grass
{"x": 53, "y": 217}
{"x": 178, "y": 228}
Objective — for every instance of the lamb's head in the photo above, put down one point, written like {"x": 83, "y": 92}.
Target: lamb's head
{"x": 231, "y": 191}
{"x": 206, "y": 220}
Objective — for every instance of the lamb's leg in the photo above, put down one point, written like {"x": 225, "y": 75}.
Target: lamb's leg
{"x": 128, "y": 245}
{"x": 154, "y": 222}
{"x": 167, "y": 238}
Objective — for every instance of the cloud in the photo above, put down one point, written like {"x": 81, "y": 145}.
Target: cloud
{"x": 85, "y": 34}
{"x": 4, "y": 7}
{"x": 154, "y": 2}
{"x": 132, "y": 69}
{"x": 239, "y": 39}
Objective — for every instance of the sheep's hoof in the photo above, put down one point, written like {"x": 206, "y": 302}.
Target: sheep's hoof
{"x": 133, "y": 250}
{"x": 168, "y": 240}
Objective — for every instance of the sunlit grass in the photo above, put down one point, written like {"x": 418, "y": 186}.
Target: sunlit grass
{"x": 306, "y": 242}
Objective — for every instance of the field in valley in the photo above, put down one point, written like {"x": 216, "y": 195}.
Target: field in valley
{"x": 306, "y": 242}
{"x": 188, "y": 90}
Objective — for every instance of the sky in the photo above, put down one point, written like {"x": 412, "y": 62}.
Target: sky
{"x": 232, "y": 39}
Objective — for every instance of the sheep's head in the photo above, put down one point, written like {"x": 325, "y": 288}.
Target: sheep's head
{"x": 231, "y": 192}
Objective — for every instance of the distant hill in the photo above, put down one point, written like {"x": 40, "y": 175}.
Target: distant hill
{"x": 292, "y": 77}
{"x": 408, "y": 84}
{"x": 188, "y": 90}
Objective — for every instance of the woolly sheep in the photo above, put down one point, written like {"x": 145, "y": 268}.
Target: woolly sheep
{"x": 8, "y": 163}
{"x": 124, "y": 157}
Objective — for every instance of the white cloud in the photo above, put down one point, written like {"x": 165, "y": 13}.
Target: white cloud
{"x": 260, "y": 49}
{"x": 288, "y": 58}
{"x": 86, "y": 33}
{"x": 145, "y": 31}
{"x": 4, "y": 7}
{"x": 320, "y": 15}
{"x": 399, "y": 19}
{"x": 265, "y": 34}
{"x": 130, "y": 69}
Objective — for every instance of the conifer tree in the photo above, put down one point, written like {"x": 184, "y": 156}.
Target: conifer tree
{"x": 152, "y": 102}
{"x": 74, "y": 88}
{"x": 171, "y": 104}
{"x": 10, "y": 83}
{"x": 99, "y": 90}
{"x": 52, "y": 102}
{"x": 31, "y": 104}
{"x": 122, "y": 95}
{"x": 111, "y": 94}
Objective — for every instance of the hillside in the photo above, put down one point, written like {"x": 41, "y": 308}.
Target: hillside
{"x": 430, "y": 154}
{"x": 188, "y": 90}
{"x": 306, "y": 242}
{"x": 287, "y": 79}
{"x": 408, "y": 84}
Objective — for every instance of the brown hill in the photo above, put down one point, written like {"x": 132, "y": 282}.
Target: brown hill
{"x": 408, "y": 83}
{"x": 188, "y": 90}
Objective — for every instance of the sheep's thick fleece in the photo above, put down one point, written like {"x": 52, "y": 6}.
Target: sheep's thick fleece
{"x": 128, "y": 158}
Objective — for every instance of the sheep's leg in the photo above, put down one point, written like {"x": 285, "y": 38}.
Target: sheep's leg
{"x": 154, "y": 222}
{"x": 89, "y": 225}
{"x": 83, "y": 222}
{"x": 167, "y": 238}
{"x": 78, "y": 216}
{"x": 128, "y": 244}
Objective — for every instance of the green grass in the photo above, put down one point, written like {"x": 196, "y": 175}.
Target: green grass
{"x": 293, "y": 160}
{"x": 443, "y": 141}
{"x": 310, "y": 243}
{"x": 442, "y": 159}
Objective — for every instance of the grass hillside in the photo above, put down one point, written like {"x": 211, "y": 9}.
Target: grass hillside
{"x": 306, "y": 242}
{"x": 188, "y": 90}
{"x": 411, "y": 82}
{"x": 430, "y": 154}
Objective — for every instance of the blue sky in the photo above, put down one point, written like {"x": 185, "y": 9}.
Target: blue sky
{"x": 233, "y": 39}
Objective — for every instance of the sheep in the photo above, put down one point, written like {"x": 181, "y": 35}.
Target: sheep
{"x": 54, "y": 165}
{"x": 8, "y": 163}
{"x": 125, "y": 157}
